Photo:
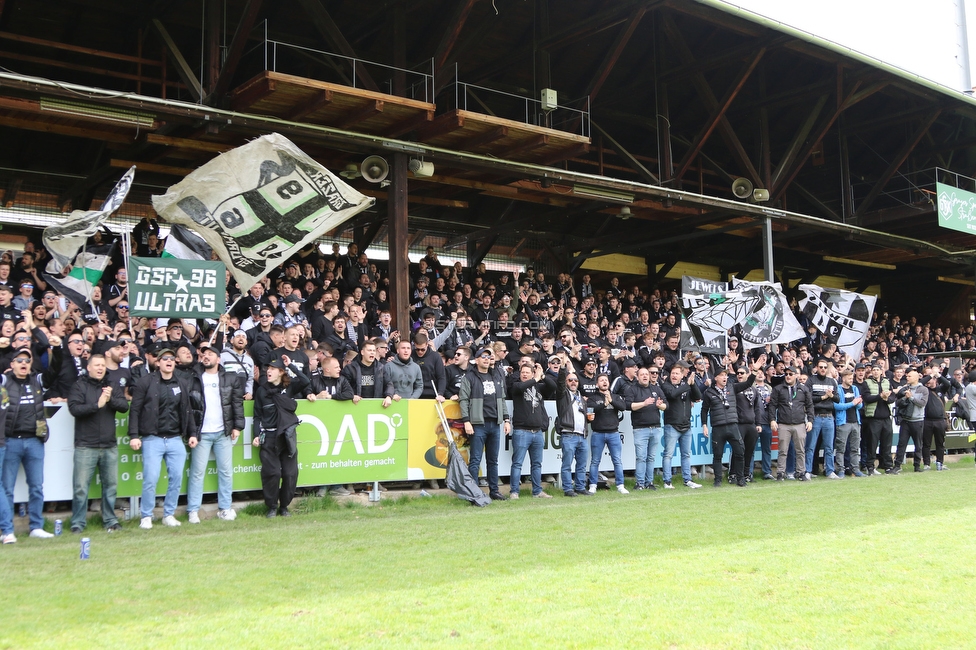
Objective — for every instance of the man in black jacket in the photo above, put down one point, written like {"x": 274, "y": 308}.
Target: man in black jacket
{"x": 222, "y": 393}
{"x": 25, "y": 430}
{"x": 431, "y": 367}
{"x": 681, "y": 391}
{"x": 158, "y": 421}
{"x": 646, "y": 400}
{"x": 791, "y": 418}
{"x": 94, "y": 401}
{"x": 571, "y": 420}
{"x": 607, "y": 408}
{"x": 823, "y": 393}
{"x": 719, "y": 408}
{"x": 529, "y": 425}
{"x": 750, "y": 409}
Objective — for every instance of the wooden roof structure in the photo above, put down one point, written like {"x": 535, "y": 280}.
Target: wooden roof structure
{"x": 662, "y": 104}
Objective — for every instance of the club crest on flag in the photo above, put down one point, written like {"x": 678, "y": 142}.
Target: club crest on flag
{"x": 253, "y": 227}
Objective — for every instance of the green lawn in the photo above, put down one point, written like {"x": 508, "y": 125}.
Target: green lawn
{"x": 880, "y": 562}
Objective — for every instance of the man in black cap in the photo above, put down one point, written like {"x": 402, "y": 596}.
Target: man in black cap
{"x": 25, "y": 429}
{"x": 159, "y": 420}
{"x": 791, "y": 418}
{"x": 485, "y": 416}
{"x": 292, "y": 313}
{"x": 627, "y": 378}
{"x": 878, "y": 396}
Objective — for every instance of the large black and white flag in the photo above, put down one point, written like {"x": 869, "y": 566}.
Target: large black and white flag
{"x": 259, "y": 203}
{"x": 843, "y": 316}
{"x": 702, "y": 310}
{"x": 770, "y": 320}
{"x": 65, "y": 241}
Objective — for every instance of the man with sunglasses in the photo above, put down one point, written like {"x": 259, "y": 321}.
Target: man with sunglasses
{"x": 159, "y": 421}
{"x": 749, "y": 408}
{"x": 455, "y": 371}
{"x": 646, "y": 401}
{"x": 25, "y": 429}
{"x": 823, "y": 392}
{"x": 73, "y": 366}
{"x": 571, "y": 422}
{"x": 791, "y": 418}
{"x": 720, "y": 410}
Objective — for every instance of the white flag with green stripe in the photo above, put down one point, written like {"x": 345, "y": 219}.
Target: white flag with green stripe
{"x": 86, "y": 270}
{"x": 184, "y": 244}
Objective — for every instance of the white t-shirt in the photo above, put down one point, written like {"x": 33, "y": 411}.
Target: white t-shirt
{"x": 213, "y": 415}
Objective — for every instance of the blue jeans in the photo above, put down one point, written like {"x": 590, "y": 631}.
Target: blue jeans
{"x": 6, "y": 508}
{"x": 87, "y": 460}
{"x": 574, "y": 448}
{"x": 199, "y": 455}
{"x": 485, "y": 441}
{"x": 532, "y": 442}
{"x": 672, "y": 435}
{"x": 766, "y": 442}
{"x": 612, "y": 441}
{"x": 30, "y": 453}
{"x": 823, "y": 425}
{"x": 646, "y": 440}
{"x": 155, "y": 450}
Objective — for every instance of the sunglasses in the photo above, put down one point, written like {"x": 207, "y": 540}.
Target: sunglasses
{"x": 789, "y": 374}
{"x": 76, "y": 341}
{"x": 122, "y": 306}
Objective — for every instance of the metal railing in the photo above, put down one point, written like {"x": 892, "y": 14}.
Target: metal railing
{"x": 915, "y": 187}
{"x": 311, "y": 63}
{"x": 573, "y": 116}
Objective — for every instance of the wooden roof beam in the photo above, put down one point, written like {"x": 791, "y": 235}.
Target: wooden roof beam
{"x": 327, "y": 27}
{"x": 450, "y": 37}
{"x": 719, "y": 113}
{"x": 613, "y": 54}
{"x": 711, "y": 103}
{"x": 183, "y": 68}
{"x": 235, "y": 51}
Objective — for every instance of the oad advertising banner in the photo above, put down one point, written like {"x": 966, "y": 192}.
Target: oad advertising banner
{"x": 339, "y": 443}
{"x": 172, "y": 287}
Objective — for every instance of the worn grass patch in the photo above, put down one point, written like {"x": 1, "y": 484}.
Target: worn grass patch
{"x": 879, "y": 562}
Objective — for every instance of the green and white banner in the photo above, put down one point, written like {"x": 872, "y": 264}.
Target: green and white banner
{"x": 174, "y": 287}
{"x": 957, "y": 208}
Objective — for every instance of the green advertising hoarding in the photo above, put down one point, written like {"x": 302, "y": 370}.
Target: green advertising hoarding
{"x": 957, "y": 208}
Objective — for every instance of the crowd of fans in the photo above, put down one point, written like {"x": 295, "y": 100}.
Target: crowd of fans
{"x": 323, "y": 324}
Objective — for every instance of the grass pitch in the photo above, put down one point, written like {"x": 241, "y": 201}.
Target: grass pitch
{"x": 879, "y": 562}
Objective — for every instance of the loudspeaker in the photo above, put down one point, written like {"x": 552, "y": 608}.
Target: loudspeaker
{"x": 760, "y": 195}
{"x": 375, "y": 169}
{"x": 420, "y": 168}
{"x": 741, "y": 188}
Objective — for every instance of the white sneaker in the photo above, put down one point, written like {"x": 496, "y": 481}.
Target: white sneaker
{"x": 622, "y": 490}
{"x": 171, "y": 521}
{"x": 692, "y": 485}
{"x": 513, "y": 495}
{"x": 40, "y": 533}
{"x": 668, "y": 486}
{"x": 592, "y": 488}
{"x": 194, "y": 518}
{"x": 833, "y": 475}
{"x": 10, "y": 539}
{"x": 145, "y": 523}
{"x": 227, "y": 515}
{"x": 809, "y": 476}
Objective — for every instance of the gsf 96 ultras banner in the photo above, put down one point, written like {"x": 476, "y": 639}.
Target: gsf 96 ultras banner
{"x": 173, "y": 287}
